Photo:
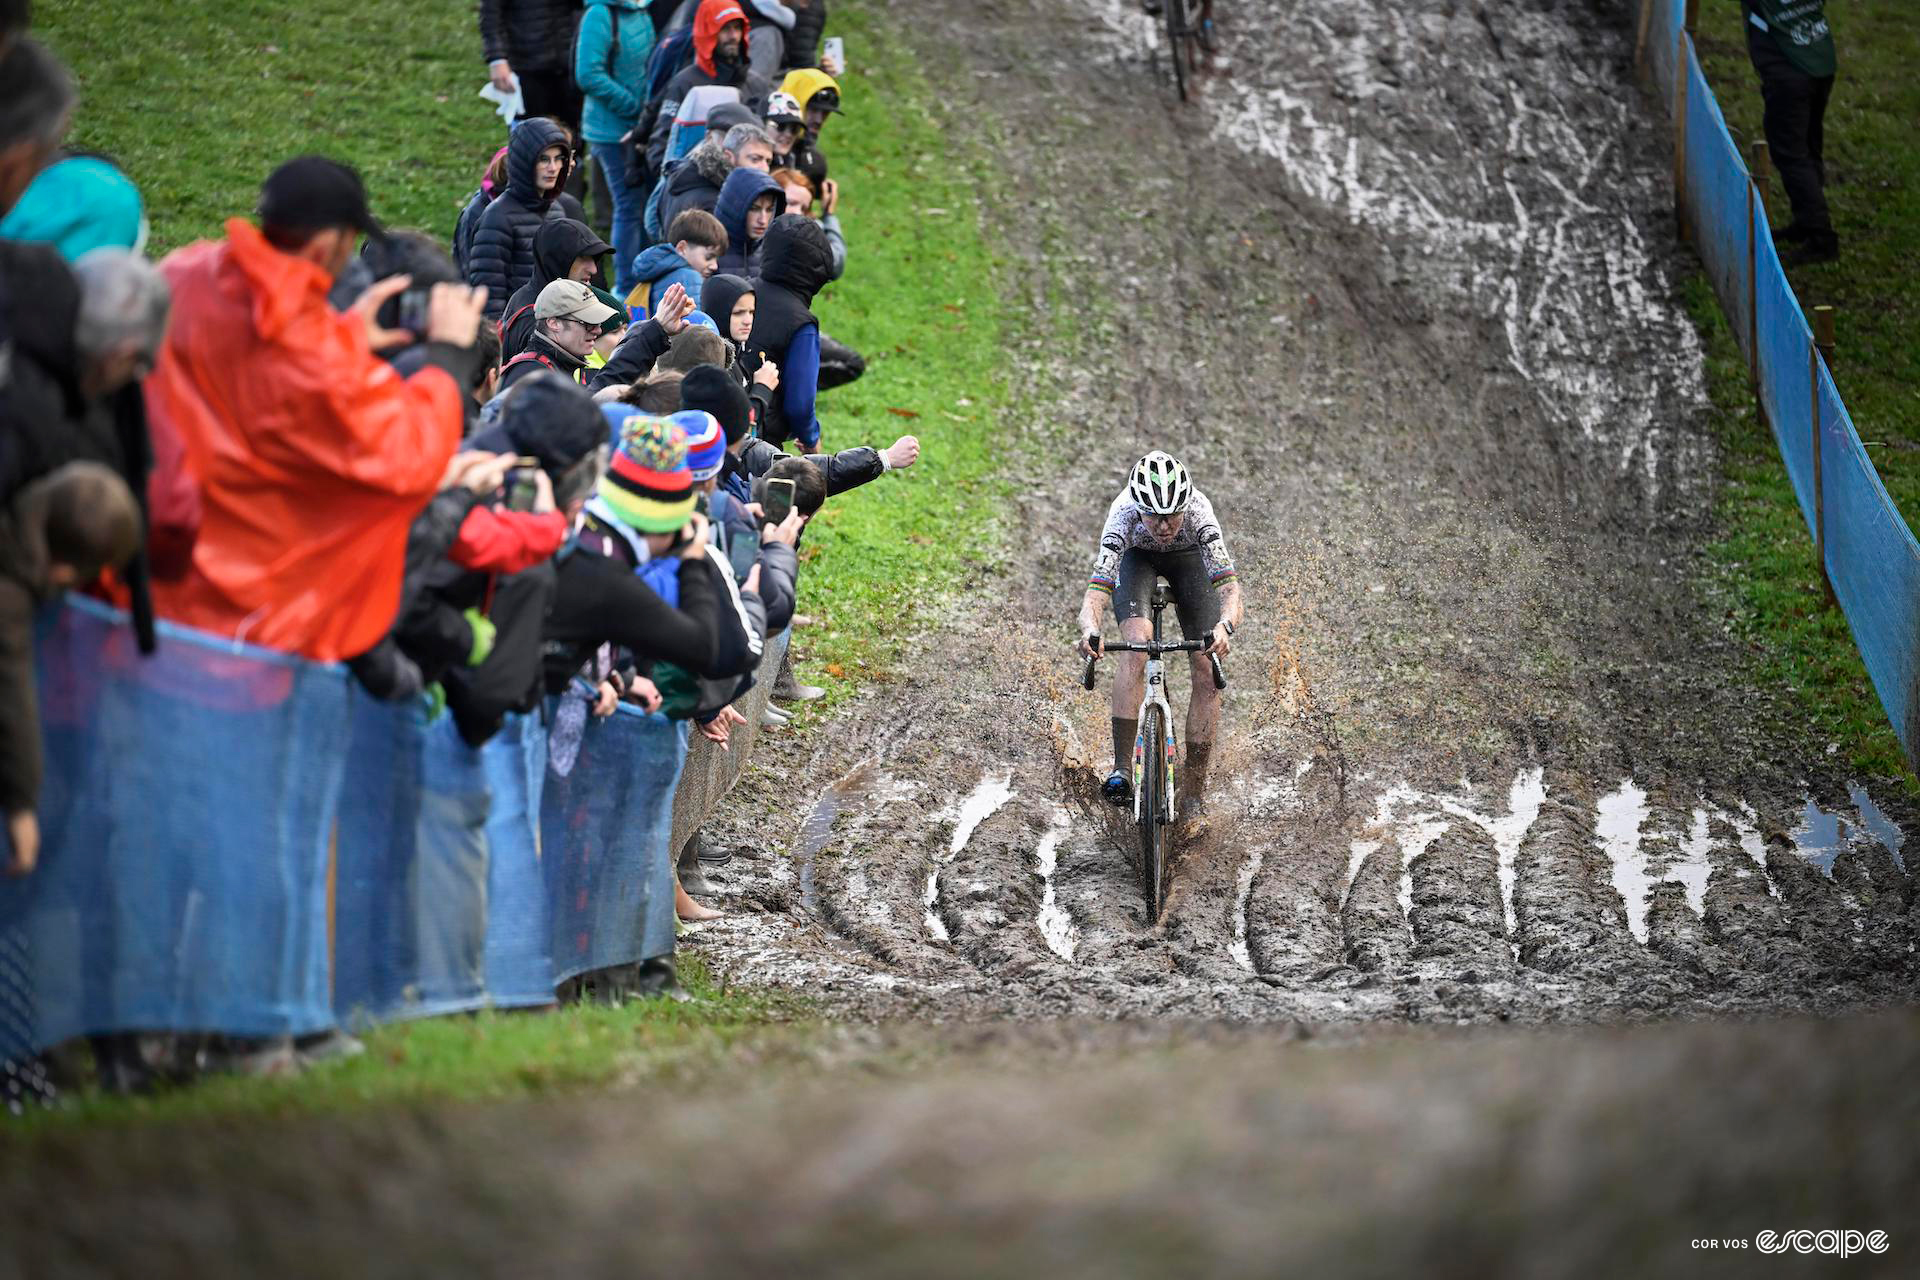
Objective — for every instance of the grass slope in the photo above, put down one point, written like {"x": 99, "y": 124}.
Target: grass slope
{"x": 200, "y": 101}
{"x": 1764, "y": 572}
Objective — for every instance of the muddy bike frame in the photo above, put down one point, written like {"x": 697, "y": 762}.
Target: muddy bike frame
{"x": 1153, "y": 787}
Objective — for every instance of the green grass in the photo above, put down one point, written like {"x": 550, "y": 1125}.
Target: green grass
{"x": 919, "y": 300}
{"x": 489, "y": 1055}
{"x": 200, "y": 101}
{"x": 1765, "y": 573}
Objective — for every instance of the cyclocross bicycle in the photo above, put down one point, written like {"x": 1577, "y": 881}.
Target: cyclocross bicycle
{"x": 1189, "y": 28}
{"x": 1153, "y": 753}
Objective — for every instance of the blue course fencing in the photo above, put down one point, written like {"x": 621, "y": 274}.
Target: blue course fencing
{"x": 185, "y": 819}
{"x": 241, "y": 842}
{"x": 1868, "y": 554}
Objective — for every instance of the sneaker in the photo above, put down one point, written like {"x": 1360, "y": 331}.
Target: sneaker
{"x": 773, "y": 717}
{"x": 656, "y": 978}
{"x": 1117, "y": 789}
{"x": 251, "y": 1056}
{"x": 790, "y": 690}
{"x": 327, "y": 1046}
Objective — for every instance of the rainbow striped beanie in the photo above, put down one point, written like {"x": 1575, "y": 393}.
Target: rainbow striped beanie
{"x": 648, "y": 487}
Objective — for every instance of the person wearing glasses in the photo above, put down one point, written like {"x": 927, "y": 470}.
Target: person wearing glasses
{"x": 567, "y": 320}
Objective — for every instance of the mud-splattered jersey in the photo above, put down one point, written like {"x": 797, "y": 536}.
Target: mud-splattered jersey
{"x": 1127, "y": 529}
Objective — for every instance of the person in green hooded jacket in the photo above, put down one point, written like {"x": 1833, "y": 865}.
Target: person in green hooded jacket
{"x": 1791, "y": 48}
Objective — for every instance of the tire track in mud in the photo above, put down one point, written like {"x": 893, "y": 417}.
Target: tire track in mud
{"x": 1485, "y": 756}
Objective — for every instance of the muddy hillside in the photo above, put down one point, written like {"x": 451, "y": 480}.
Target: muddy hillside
{"x": 1400, "y": 287}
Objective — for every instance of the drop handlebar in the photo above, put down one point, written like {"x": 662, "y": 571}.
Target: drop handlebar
{"x": 1155, "y": 650}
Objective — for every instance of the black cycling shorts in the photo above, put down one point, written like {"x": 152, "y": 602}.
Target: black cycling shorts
{"x": 1195, "y": 599}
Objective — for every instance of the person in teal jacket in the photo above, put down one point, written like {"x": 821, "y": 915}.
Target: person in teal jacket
{"x": 610, "y": 66}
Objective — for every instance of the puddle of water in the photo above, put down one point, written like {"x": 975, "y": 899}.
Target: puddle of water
{"x": 1056, "y": 926}
{"x": 987, "y": 797}
{"x": 817, "y": 827}
{"x": 1877, "y": 824}
{"x": 1621, "y": 815}
{"x": 1524, "y": 798}
{"x": 1746, "y": 825}
{"x": 1692, "y": 869}
{"x": 1820, "y": 837}
{"x": 1415, "y": 839}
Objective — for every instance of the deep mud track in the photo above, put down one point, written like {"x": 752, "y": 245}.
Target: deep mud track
{"x": 1400, "y": 288}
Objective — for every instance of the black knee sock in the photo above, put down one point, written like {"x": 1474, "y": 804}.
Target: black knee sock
{"x": 1124, "y": 732}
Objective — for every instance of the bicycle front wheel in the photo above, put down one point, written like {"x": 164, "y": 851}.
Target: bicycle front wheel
{"x": 1153, "y": 814}
{"x": 1179, "y": 34}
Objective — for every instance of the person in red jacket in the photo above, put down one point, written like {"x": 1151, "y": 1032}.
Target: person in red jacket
{"x": 313, "y": 456}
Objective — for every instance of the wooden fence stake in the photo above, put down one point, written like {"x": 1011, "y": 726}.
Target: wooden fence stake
{"x": 1823, "y": 333}
{"x": 1640, "y": 41}
{"x": 1754, "y": 208}
{"x": 1763, "y": 175}
{"x": 1819, "y": 489}
{"x": 1693, "y": 16}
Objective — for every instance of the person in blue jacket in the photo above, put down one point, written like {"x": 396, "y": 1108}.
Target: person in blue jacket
{"x": 795, "y": 264}
{"x": 610, "y": 66}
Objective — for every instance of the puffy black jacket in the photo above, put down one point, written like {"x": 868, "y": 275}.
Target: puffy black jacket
{"x": 501, "y": 257}
{"x": 803, "y": 42}
{"x": 796, "y": 262}
{"x": 694, "y": 183}
{"x": 532, "y": 35}
{"x": 556, "y": 245}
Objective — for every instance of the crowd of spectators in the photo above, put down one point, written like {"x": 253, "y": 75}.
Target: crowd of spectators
{"x": 479, "y": 479}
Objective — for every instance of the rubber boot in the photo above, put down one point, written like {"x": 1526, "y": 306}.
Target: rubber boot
{"x": 693, "y": 878}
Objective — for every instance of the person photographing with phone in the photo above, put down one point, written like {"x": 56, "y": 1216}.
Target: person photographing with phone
{"x": 1161, "y": 526}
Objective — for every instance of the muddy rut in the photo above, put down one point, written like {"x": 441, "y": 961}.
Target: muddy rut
{"x": 1401, "y": 289}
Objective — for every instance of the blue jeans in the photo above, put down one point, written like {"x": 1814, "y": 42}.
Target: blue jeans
{"x": 629, "y": 203}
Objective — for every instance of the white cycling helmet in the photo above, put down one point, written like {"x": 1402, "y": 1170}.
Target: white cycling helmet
{"x": 1160, "y": 484}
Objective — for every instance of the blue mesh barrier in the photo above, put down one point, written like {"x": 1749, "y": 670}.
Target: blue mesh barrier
{"x": 410, "y": 920}
{"x": 1785, "y": 392}
{"x": 185, "y": 820}
{"x": 1874, "y": 565}
{"x": 519, "y": 922}
{"x": 604, "y": 832}
{"x": 1717, "y": 187}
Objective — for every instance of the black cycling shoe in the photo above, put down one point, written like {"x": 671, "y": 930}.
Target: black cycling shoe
{"x": 1117, "y": 789}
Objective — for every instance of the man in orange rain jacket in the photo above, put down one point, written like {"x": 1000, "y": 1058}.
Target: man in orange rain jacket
{"x": 312, "y": 455}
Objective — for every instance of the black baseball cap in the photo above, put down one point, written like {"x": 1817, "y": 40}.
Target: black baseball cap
{"x": 313, "y": 193}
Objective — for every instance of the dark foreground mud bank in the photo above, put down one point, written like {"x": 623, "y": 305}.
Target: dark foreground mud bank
{"x": 1059, "y": 1149}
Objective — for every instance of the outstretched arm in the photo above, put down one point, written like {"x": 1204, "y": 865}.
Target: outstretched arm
{"x": 1093, "y": 610}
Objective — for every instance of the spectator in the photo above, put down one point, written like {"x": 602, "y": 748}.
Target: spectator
{"x": 785, "y": 125}
{"x": 49, "y": 407}
{"x": 525, "y": 44}
{"x": 657, "y": 394}
{"x": 800, "y": 192}
{"x": 645, "y": 342}
{"x": 696, "y": 183}
{"x": 819, "y": 96}
{"x": 58, "y": 532}
{"x": 36, "y": 102}
{"x": 691, "y": 253}
{"x": 493, "y": 180}
{"x": 733, "y": 297}
{"x": 719, "y": 58}
{"x": 313, "y": 455}
{"x": 748, "y": 204}
{"x": 1791, "y": 47}
{"x": 767, "y": 43}
{"x": 610, "y": 66}
{"x": 562, "y": 250}
{"x": 694, "y": 345}
{"x": 803, "y": 41}
{"x": 567, "y": 320}
{"x": 539, "y": 156}
{"x": 795, "y": 264}
{"x": 77, "y": 204}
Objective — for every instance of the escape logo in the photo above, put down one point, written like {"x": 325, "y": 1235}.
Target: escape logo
{"x": 1839, "y": 1244}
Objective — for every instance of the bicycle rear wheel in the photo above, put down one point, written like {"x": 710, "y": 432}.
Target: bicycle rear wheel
{"x": 1153, "y": 816}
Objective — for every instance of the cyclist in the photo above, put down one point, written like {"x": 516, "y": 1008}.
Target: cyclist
{"x": 1156, "y": 8}
{"x": 1162, "y": 527}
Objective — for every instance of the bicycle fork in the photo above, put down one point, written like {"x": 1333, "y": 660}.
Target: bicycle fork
{"x": 1155, "y": 696}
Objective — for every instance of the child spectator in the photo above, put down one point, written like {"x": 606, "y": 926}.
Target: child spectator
{"x": 796, "y": 262}
{"x": 748, "y": 204}
{"x": 539, "y": 157}
{"x": 59, "y": 532}
{"x": 692, "y": 251}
